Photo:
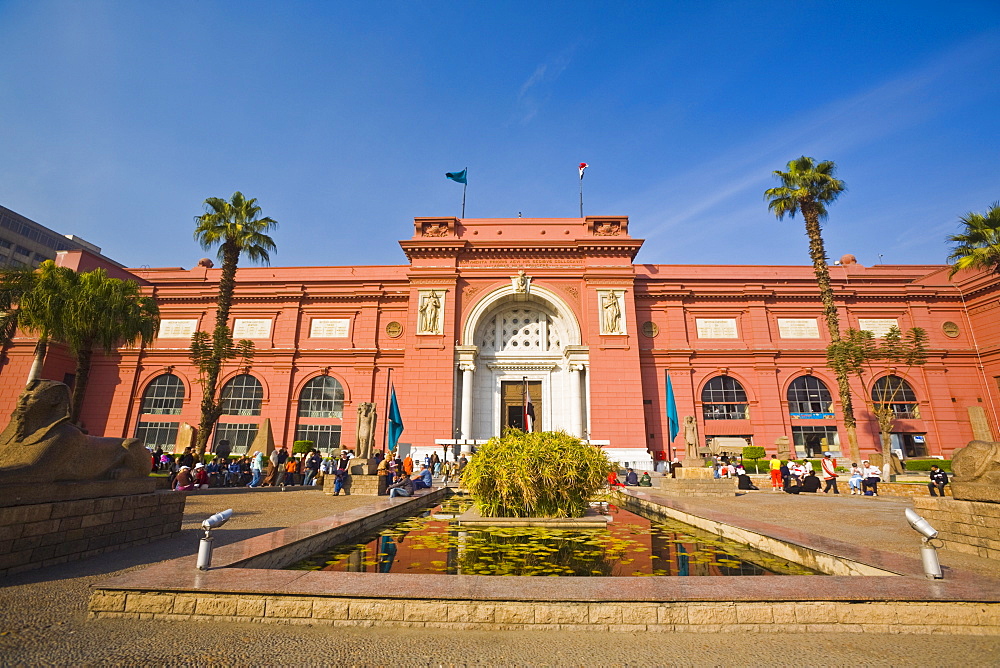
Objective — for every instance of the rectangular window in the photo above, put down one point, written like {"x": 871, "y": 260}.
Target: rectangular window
{"x": 326, "y": 437}
{"x": 239, "y": 435}
{"x": 814, "y": 441}
{"x": 21, "y": 250}
{"x": 5, "y": 244}
{"x": 157, "y": 434}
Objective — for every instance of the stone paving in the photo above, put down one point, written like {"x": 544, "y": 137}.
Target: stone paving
{"x": 42, "y": 613}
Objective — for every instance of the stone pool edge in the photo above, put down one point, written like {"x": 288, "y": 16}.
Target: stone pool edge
{"x": 175, "y": 590}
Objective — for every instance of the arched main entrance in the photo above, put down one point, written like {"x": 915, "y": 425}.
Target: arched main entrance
{"x": 520, "y": 345}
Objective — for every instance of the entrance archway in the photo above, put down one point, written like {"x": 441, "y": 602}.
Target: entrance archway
{"x": 520, "y": 346}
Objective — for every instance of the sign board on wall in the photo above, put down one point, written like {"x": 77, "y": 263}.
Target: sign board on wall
{"x": 879, "y": 327}
{"x": 177, "y": 329}
{"x": 716, "y": 328}
{"x": 798, "y": 328}
{"x": 329, "y": 328}
{"x": 252, "y": 328}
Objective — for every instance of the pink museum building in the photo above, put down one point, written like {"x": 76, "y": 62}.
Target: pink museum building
{"x": 487, "y": 309}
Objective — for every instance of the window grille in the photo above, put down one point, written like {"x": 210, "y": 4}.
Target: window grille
{"x": 723, "y": 398}
{"x": 164, "y": 396}
{"x": 322, "y": 397}
{"x": 809, "y": 394}
{"x": 242, "y": 396}
{"x": 895, "y": 393}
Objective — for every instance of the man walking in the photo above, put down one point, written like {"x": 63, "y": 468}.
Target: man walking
{"x": 829, "y": 465}
{"x": 938, "y": 480}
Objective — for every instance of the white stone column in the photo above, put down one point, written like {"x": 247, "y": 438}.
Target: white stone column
{"x": 468, "y": 375}
{"x": 576, "y": 401}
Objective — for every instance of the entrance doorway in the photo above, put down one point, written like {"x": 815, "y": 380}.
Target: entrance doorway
{"x": 516, "y": 403}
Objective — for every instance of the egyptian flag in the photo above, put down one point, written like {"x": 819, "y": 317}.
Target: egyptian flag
{"x": 583, "y": 167}
{"x": 529, "y": 410}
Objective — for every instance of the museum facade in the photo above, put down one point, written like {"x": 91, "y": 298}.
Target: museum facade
{"x": 493, "y": 319}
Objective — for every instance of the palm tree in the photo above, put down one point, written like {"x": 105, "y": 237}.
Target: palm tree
{"x": 105, "y": 313}
{"x": 978, "y": 247}
{"x": 237, "y": 228}
{"x": 808, "y": 187}
{"x": 35, "y": 301}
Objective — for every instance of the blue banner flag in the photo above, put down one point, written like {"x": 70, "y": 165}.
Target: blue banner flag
{"x": 395, "y": 422}
{"x": 673, "y": 424}
{"x": 458, "y": 177}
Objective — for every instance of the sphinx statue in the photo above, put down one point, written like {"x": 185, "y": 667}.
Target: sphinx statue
{"x": 41, "y": 445}
{"x": 976, "y": 469}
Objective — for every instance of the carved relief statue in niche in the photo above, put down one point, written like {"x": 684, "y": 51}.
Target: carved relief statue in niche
{"x": 612, "y": 313}
{"x": 607, "y": 230}
{"x": 435, "y": 230}
{"x": 430, "y": 309}
{"x": 521, "y": 282}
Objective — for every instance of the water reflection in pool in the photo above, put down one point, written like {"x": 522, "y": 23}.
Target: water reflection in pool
{"x": 631, "y": 545}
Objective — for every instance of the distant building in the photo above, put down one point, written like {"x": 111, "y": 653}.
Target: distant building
{"x": 490, "y": 313}
{"x": 25, "y": 243}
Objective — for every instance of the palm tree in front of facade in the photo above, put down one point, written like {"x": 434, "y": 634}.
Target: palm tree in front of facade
{"x": 105, "y": 313}
{"x": 237, "y": 228}
{"x": 978, "y": 245}
{"x": 807, "y": 188}
{"x": 35, "y": 301}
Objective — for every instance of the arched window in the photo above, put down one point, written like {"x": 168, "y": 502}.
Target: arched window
{"x": 808, "y": 394}
{"x": 164, "y": 396}
{"x": 321, "y": 412}
{"x": 895, "y": 393}
{"x": 723, "y": 398}
{"x": 242, "y": 396}
{"x": 322, "y": 397}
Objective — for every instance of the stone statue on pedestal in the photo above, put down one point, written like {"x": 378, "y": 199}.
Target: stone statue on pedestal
{"x": 41, "y": 445}
{"x": 364, "y": 446}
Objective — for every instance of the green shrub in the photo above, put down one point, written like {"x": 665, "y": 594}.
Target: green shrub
{"x": 754, "y": 452}
{"x": 925, "y": 464}
{"x": 541, "y": 474}
{"x": 302, "y": 447}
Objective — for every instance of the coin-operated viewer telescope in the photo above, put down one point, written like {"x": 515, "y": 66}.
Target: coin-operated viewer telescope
{"x": 928, "y": 551}
{"x": 205, "y": 546}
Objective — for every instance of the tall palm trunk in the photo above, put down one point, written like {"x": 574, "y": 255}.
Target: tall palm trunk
{"x": 41, "y": 347}
{"x": 84, "y": 358}
{"x": 211, "y": 408}
{"x": 818, "y": 254}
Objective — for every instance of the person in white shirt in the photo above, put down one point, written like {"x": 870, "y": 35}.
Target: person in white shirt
{"x": 855, "y": 479}
{"x": 872, "y": 476}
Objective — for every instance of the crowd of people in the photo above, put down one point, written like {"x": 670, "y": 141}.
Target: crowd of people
{"x": 397, "y": 477}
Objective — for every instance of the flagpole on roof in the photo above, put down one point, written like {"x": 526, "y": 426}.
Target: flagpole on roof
{"x": 463, "y": 178}
{"x": 583, "y": 167}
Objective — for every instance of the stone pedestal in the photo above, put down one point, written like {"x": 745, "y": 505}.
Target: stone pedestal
{"x": 692, "y": 472}
{"x": 362, "y": 467}
{"x": 972, "y": 527}
{"x": 355, "y": 485}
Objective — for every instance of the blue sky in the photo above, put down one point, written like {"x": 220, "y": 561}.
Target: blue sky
{"x": 120, "y": 118}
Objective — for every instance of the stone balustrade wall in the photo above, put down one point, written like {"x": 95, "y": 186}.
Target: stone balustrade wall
{"x": 42, "y": 534}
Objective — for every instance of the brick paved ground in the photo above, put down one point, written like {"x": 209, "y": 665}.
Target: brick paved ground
{"x": 42, "y": 620}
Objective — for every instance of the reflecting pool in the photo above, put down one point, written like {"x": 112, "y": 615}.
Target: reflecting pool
{"x": 631, "y": 545}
